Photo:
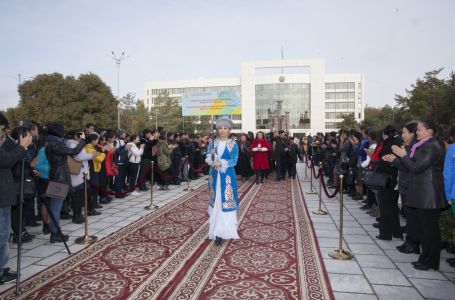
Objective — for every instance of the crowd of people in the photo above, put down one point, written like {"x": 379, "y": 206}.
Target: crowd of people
{"x": 417, "y": 165}
{"x": 410, "y": 173}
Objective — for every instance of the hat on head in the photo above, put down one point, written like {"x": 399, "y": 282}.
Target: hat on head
{"x": 56, "y": 129}
{"x": 224, "y": 121}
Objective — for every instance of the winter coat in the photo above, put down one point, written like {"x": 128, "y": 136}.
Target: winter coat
{"x": 426, "y": 185}
{"x": 56, "y": 153}
{"x": 83, "y": 157}
{"x": 8, "y": 159}
{"x": 135, "y": 153}
{"x": 96, "y": 161}
{"x": 449, "y": 173}
{"x": 260, "y": 158}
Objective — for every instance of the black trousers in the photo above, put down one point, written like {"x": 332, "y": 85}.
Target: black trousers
{"x": 133, "y": 170}
{"x": 371, "y": 197}
{"x": 292, "y": 170}
{"x": 412, "y": 225}
{"x": 430, "y": 236}
{"x": 389, "y": 219}
{"x": 145, "y": 165}
{"x": 77, "y": 200}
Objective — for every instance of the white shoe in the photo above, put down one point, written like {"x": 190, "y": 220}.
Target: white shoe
{"x": 136, "y": 193}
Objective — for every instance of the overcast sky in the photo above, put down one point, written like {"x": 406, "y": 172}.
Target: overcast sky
{"x": 391, "y": 42}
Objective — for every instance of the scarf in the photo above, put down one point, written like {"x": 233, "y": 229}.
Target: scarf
{"x": 418, "y": 145}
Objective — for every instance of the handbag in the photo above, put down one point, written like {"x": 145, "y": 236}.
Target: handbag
{"x": 376, "y": 180}
{"x": 29, "y": 188}
{"x": 57, "y": 190}
{"x": 74, "y": 165}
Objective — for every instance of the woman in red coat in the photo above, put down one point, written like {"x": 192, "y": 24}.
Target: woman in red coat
{"x": 260, "y": 149}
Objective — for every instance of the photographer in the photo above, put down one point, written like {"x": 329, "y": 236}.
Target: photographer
{"x": 8, "y": 196}
{"x": 149, "y": 139}
{"x": 56, "y": 153}
{"x": 29, "y": 187}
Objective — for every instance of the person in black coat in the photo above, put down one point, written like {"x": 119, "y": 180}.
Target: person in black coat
{"x": 56, "y": 153}
{"x": 293, "y": 155}
{"x": 426, "y": 191}
{"x": 8, "y": 195}
{"x": 389, "y": 213}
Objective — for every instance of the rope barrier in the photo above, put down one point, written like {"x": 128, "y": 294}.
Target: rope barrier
{"x": 146, "y": 176}
{"x": 314, "y": 172}
{"x": 330, "y": 196}
{"x": 310, "y": 160}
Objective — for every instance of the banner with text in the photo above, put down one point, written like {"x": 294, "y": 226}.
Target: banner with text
{"x": 211, "y": 103}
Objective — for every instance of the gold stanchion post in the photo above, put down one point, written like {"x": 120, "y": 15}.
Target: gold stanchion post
{"x": 312, "y": 191}
{"x": 188, "y": 182}
{"x": 151, "y": 206}
{"x": 86, "y": 239}
{"x": 341, "y": 254}
{"x": 320, "y": 211}
{"x": 306, "y": 167}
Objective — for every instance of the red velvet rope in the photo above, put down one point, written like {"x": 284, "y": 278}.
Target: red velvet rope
{"x": 325, "y": 187}
{"x": 314, "y": 172}
{"x": 145, "y": 177}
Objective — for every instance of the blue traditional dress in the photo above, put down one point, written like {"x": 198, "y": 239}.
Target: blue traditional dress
{"x": 223, "y": 199}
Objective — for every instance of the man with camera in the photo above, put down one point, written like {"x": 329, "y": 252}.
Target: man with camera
{"x": 8, "y": 195}
{"x": 150, "y": 139}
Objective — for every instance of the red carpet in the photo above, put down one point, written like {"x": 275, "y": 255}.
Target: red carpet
{"x": 166, "y": 255}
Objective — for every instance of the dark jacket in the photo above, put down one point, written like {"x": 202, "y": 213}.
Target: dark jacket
{"x": 403, "y": 172}
{"x": 7, "y": 160}
{"x": 148, "y": 152}
{"x": 426, "y": 185}
{"x": 56, "y": 153}
{"x": 278, "y": 152}
{"x": 384, "y": 166}
{"x": 294, "y": 153}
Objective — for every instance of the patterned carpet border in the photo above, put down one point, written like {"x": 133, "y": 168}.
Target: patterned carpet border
{"x": 315, "y": 241}
{"x": 30, "y": 286}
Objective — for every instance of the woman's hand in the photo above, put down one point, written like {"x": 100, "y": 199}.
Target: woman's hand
{"x": 398, "y": 151}
{"x": 389, "y": 158}
{"x": 216, "y": 164}
{"x": 368, "y": 151}
{"x": 212, "y": 152}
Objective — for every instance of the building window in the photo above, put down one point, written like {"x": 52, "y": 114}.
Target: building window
{"x": 340, "y": 86}
{"x": 331, "y": 125}
{"x": 340, "y": 105}
{"x": 339, "y": 95}
{"x": 295, "y": 99}
{"x": 337, "y": 115}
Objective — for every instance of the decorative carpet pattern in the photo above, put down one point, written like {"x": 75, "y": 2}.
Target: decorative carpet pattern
{"x": 166, "y": 255}
{"x": 276, "y": 257}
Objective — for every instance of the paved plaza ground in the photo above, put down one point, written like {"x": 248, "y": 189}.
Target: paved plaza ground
{"x": 378, "y": 270}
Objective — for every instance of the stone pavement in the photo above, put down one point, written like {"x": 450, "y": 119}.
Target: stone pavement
{"x": 40, "y": 253}
{"x": 378, "y": 270}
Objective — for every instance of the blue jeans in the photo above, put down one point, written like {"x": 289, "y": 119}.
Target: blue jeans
{"x": 56, "y": 207}
{"x": 5, "y": 229}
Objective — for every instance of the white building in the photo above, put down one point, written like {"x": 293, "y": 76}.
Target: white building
{"x": 315, "y": 101}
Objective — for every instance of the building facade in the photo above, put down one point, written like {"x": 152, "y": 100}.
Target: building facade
{"x": 309, "y": 100}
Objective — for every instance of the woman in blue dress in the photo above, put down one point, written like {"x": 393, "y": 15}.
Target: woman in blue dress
{"x": 222, "y": 156}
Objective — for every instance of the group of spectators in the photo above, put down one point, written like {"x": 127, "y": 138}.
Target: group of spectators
{"x": 417, "y": 166}
{"x": 419, "y": 163}
{"x": 113, "y": 164}
{"x": 262, "y": 154}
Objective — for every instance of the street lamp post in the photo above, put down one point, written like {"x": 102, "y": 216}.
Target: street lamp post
{"x": 118, "y": 60}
